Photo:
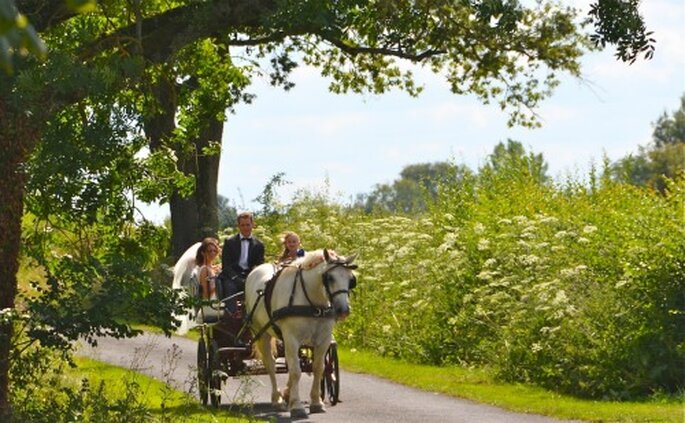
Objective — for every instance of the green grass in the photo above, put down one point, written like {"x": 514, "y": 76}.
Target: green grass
{"x": 478, "y": 385}
{"x": 164, "y": 404}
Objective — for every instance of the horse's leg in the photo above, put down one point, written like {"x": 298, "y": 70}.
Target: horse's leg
{"x": 318, "y": 354}
{"x": 292, "y": 347}
{"x": 264, "y": 346}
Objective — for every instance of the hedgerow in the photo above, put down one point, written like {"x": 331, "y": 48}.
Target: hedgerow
{"x": 578, "y": 287}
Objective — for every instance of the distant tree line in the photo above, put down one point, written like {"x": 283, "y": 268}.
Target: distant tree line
{"x": 662, "y": 158}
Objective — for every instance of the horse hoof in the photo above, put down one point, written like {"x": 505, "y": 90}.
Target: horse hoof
{"x": 317, "y": 408}
{"x": 298, "y": 413}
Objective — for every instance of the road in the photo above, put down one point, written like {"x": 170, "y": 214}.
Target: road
{"x": 363, "y": 398}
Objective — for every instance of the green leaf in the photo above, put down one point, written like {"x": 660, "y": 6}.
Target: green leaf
{"x": 82, "y": 6}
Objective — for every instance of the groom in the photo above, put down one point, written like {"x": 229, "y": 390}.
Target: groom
{"x": 241, "y": 253}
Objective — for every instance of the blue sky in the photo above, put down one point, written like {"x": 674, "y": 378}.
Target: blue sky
{"x": 353, "y": 142}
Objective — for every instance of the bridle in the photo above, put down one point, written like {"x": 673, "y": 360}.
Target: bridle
{"x": 327, "y": 279}
{"x": 311, "y": 310}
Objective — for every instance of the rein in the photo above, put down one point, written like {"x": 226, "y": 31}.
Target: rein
{"x": 291, "y": 310}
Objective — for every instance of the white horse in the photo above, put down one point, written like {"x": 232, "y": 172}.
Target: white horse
{"x": 308, "y": 297}
{"x": 183, "y": 270}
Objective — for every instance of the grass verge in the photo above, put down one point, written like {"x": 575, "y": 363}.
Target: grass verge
{"x": 478, "y": 385}
{"x": 163, "y": 403}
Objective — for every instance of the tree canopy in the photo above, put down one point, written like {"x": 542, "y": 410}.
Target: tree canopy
{"x": 663, "y": 158}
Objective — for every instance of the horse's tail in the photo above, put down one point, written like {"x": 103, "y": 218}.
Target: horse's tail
{"x": 183, "y": 270}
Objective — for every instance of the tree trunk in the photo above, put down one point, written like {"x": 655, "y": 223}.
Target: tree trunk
{"x": 17, "y": 137}
{"x": 184, "y": 214}
{"x": 196, "y": 216}
{"x": 207, "y": 178}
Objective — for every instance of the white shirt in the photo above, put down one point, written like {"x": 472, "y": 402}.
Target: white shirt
{"x": 244, "y": 247}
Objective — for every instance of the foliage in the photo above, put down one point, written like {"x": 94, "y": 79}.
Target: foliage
{"x": 227, "y": 213}
{"x": 41, "y": 393}
{"x": 16, "y": 35}
{"x": 81, "y": 227}
{"x": 513, "y": 156}
{"x": 409, "y": 194}
{"x": 619, "y": 22}
{"x": 661, "y": 159}
{"x": 578, "y": 288}
{"x": 479, "y": 385}
{"x": 97, "y": 280}
{"x": 91, "y": 391}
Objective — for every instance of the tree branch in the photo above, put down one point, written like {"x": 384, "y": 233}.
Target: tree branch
{"x": 166, "y": 33}
{"x": 355, "y": 50}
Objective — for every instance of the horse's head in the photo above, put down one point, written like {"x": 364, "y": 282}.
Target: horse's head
{"x": 339, "y": 280}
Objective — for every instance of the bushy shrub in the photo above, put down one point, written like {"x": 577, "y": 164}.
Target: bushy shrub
{"x": 40, "y": 393}
{"x": 579, "y": 287}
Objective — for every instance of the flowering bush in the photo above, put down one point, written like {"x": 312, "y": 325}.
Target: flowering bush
{"x": 576, "y": 288}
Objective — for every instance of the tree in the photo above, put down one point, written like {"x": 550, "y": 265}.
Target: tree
{"x": 127, "y": 48}
{"x": 663, "y": 158}
{"x": 228, "y": 214}
{"x": 513, "y": 157}
{"x": 418, "y": 184}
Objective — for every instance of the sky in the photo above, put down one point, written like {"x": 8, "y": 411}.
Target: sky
{"x": 346, "y": 144}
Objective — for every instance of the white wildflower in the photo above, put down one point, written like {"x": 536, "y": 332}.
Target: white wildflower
{"x": 567, "y": 273}
{"x": 529, "y": 259}
{"x": 561, "y": 234}
{"x": 403, "y": 252}
{"x": 491, "y": 262}
{"x": 478, "y": 228}
{"x": 483, "y": 244}
{"x": 485, "y": 275}
{"x": 589, "y": 229}
{"x": 620, "y": 283}
{"x": 560, "y": 298}
{"x": 520, "y": 219}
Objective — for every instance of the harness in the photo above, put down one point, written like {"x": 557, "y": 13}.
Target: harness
{"x": 291, "y": 310}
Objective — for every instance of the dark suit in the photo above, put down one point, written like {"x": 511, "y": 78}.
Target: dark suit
{"x": 232, "y": 275}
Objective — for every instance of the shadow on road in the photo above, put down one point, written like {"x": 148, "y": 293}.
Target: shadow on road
{"x": 263, "y": 411}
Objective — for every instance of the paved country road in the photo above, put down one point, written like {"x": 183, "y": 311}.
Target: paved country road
{"x": 363, "y": 398}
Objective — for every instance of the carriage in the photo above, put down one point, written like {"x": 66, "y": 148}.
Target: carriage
{"x": 220, "y": 357}
{"x": 292, "y": 308}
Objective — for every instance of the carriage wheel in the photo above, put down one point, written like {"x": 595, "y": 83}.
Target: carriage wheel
{"x": 214, "y": 375}
{"x": 330, "y": 383}
{"x": 202, "y": 371}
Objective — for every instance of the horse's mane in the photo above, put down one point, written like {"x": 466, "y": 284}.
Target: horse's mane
{"x": 310, "y": 260}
